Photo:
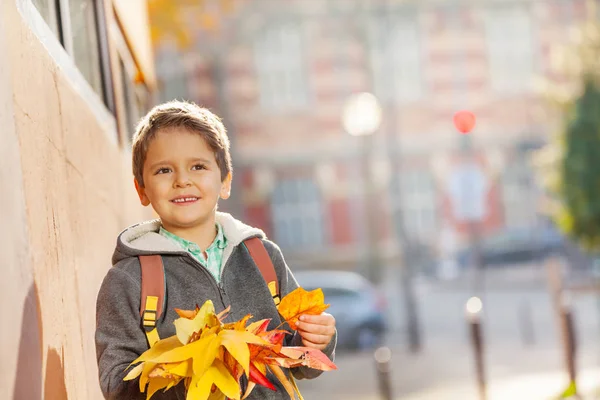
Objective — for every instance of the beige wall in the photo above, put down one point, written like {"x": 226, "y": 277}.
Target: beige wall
{"x": 65, "y": 194}
{"x": 17, "y": 291}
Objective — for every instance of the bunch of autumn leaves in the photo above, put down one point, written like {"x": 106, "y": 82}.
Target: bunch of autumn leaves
{"x": 211, "y": 356}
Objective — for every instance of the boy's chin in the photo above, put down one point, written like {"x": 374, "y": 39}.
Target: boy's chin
{"x": 185, "y": 223}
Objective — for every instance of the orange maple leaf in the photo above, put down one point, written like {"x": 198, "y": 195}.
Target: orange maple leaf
{"x": 301, "y": 302}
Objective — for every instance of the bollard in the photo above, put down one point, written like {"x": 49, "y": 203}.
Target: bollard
{"x": 474, "y": 307}
{"x": 564, "y": 317}
{"x": 383, "y": 356}
{"x": 570, "y": 343}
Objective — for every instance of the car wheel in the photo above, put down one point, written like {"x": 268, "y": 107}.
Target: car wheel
{"x": 367, "y": 338}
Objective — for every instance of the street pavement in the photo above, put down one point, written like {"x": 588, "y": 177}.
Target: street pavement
{"x": 523, "y": 355}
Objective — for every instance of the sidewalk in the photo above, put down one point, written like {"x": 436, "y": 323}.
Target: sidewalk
{"x": 524, "y": 361}
{"x": 360, "y": 383}
{"x": 543, "y": 386}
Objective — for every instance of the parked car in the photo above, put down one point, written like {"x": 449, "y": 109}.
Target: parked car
{"x": 516, "y": 245}
{"x": 359, "y": 309}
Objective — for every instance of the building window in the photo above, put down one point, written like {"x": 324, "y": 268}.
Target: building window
{"x": 417, "y": 201}
{"x": 510, "y": 47}
{"x": 396, "y": 58}
{"x": 172, "y": 72}
{"x": 81, "y": 29}
{"x": 279, "y": 59}
{"x": 297, "y": 213}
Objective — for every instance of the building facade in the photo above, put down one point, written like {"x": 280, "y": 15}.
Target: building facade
{"x": 74, "y": 75}
{"x": 280, "y": 74}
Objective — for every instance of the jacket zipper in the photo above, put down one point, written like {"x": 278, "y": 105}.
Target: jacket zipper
{"x": 218, "y": 285}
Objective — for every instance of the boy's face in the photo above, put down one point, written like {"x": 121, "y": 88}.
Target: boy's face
{"x": 182, "y": 180}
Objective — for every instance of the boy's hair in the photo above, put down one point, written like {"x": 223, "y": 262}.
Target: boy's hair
{"x": 180, "y": 114}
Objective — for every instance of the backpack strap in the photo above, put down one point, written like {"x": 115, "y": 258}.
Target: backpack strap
{"x": 153, "y": 295}
{"x": 262, "y": 260}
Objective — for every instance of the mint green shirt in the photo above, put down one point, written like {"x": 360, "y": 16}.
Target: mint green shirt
{"x": 214, "y": 252}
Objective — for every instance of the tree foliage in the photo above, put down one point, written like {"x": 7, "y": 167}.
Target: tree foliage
{"x": 179, "y": 20}
{"x": 579, "y": 186}
{"x": 568, "y": 167}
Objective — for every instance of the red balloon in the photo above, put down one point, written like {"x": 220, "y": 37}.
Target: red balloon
{"x": 464, "y": 121}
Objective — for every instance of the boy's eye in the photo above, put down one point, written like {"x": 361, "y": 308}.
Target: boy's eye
{"x": 163, "y": 171}
{"x": 198, "y": 167}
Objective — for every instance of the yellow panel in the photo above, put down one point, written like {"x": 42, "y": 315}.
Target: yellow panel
{"x": 151, "y": 303}
{"x": 150, "y": 316}
{"x": 152, "y": 337}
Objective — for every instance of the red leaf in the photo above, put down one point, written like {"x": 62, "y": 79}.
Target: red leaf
{"x": 259, "y": 378}
{"x": 310, "y": 357}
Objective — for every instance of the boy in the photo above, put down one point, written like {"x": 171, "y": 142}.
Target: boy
{"x": 182, "y": 167}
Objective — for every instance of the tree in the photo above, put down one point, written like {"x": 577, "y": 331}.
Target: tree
{"x": 579, "y": 185}
{"x": 567, "y": 166}
{"x": 178, "y": 20}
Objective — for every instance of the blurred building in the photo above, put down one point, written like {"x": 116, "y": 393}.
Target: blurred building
{"x": 279, "y": 72}
{"x": 74, "y": 76}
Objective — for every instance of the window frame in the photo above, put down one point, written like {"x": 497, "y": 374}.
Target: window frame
{"x": 518, "y": 195}
{"x": 274, "y": 59}
{"x": 495, "y": 16}
{"x": 129, "y": 68}
{"x": 418, "y": 201}
{"x": 61, "y": 19}
{"x": 386, "y": 56}
{"x": 303, "y": 229}
{"x": 167, "y": 55}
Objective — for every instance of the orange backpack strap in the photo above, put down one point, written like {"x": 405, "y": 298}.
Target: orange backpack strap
{"x": 153, "y": 295}
{"x": 262, "y": 260}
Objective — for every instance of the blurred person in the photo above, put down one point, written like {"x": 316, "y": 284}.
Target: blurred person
{"x": 182, "y": 167}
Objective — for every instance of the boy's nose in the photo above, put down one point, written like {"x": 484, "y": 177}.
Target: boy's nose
{"x": 182, "y": 180}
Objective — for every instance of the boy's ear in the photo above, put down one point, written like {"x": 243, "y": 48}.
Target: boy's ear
{"x": 141, "y": 193}
{"x": 226, "y": 187}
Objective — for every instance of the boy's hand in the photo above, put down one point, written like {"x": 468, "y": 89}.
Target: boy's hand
{"x": 316, "y": 330}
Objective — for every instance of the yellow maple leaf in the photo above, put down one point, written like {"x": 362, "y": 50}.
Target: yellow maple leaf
{"x": 184, "y": 353}
{"x": 239, "y": 325}
{"x": 301, "y": 302}
{"x": 156, "y": 384}
{"x": 209, "y": 354}
{"x": 278, "y": 372}
{"x": 217, "y": 374}
{"x": 186, "y": 327}
{"x": 257, "y": 326}
{"x": 182, "y": 369}
{"x": 236, "y": 343}
{"x": 159, "y": 348}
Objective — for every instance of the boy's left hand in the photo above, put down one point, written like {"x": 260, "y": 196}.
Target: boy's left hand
{"x": 316, "y": 330}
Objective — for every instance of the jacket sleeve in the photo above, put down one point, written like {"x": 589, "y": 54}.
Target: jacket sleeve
{"x": 119, "y": 336}
{"x": 287, "y": 284}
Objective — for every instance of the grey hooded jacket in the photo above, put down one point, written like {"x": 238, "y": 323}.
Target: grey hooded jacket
{"x": 120, "y": 338}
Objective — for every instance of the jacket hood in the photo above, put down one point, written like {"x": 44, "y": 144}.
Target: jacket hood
{"x": 144, "y": 239}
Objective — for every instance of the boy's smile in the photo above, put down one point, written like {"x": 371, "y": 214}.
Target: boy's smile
{"x": 185, "y": 200}
{"x": 182, "y": 181}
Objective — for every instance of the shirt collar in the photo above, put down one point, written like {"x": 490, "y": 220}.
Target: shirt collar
{"x": 220, "y": 240}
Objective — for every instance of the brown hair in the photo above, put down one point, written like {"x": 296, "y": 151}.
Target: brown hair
{"x": 175, "y": 114}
